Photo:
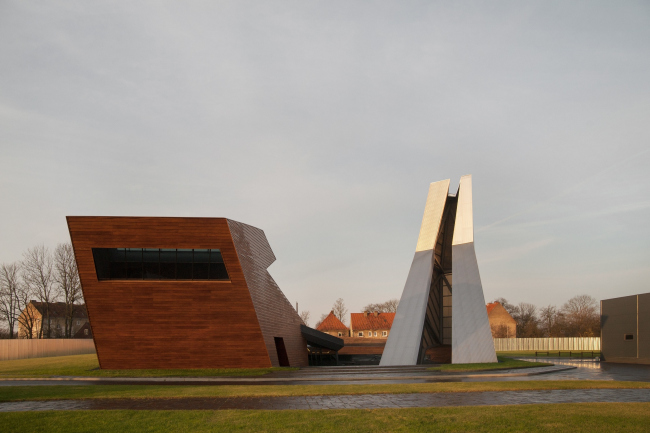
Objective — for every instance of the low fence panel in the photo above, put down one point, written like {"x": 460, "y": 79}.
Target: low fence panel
{"x": 22, "y": 349}
{"x": 546, "y": 344}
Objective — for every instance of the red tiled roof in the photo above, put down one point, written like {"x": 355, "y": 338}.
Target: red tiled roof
{"x": 359, "y": 321}
{"x": 331, "y": 323}
{"x": 491, "y": 306}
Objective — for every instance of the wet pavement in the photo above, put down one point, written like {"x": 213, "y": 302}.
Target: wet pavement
{"x": 564, "y": 369}
{"x": 305, "y": 376}
{"x": 368, "y": 401}
{"x": 589, "y": 370}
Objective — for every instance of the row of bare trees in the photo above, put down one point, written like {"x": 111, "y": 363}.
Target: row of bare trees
{"x": 578, "y": 317}
{"x": 43, "y": 275}
{"x": 340, "y": 310}
{"x": 389, "y": 306}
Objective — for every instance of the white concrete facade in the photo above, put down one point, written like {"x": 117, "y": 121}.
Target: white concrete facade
{"x": 471, "y": 338}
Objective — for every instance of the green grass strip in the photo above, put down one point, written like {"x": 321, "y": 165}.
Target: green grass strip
{"x": 503, "y": 364}
{"x": 88, "y": 365}
{"x": 585, "y": 417}
{"x": 62, "y": 392}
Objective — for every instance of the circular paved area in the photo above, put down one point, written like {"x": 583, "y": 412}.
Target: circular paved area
{"x": 564, "y": 370}
{"x": 368, "y": 401}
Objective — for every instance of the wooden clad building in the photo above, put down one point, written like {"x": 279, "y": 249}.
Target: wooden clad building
{"x": 183, "y": 293}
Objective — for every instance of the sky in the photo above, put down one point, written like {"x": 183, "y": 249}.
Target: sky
{"x": 323, "y": 123}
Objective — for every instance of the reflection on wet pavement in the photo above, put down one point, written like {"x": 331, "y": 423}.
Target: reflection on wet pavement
{"x": 367, "y": 401}
{"x": 564, "y": 369}
{"x": 588, "y": 370}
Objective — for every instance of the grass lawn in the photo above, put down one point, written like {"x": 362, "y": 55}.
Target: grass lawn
{"x": 585, "y": 417}
{"x": 87, "y": 365}
{"x": 504, "y": 363}
{"x": 62, "y": 392}
{"x": 531, "y": 353}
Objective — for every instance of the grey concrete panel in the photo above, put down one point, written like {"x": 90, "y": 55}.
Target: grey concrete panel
{"x": 464, "y": 226}
{"x": 403, "y": 344}
{"x": 433, "y": 210}
{"x": 617, "y": 318}
{"x": 471, "y": 337}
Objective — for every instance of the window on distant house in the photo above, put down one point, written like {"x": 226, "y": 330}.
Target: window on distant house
{"x": 369, "y": 333}
{"x": 159, "y": 264}
{"x": 78, "y": 322}
{"x": 628, "y": 336}
{"x": 375, "y": 333}
{"x": 340, "y": 334}
{"x": 360, "y": 334}
{"x": 85, "y": 332}
{"x": 384, "y": 333}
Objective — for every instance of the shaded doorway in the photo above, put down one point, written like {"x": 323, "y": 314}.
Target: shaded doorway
{"x": 283, "y": 359}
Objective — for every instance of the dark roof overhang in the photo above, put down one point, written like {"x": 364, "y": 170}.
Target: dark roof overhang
{"x": 321, "y": 339}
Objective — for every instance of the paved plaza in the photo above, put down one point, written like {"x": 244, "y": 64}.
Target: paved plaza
{"x": 563, "y": 370}
{"x": 366, "y": 401}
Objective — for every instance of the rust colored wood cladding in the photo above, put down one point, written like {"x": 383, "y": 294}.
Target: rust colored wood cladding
{"x": 142, "y": 324}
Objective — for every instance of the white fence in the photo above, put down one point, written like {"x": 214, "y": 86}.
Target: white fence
{"x": 21, "y": 349}
{"x": 519, "y": 344}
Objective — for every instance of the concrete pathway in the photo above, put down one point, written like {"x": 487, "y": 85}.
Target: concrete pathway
{"x": 565, "y": 369}
{"x": 368, "y": 401}
{"x": 307, "y": 376}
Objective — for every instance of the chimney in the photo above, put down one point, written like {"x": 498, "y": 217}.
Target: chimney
{"x": 376, "y": 313}
{"x": 365, "y": 314}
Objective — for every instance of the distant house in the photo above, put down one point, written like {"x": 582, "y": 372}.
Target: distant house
{"x": 333, "y": 326}
{"x": 35, "y": 314}
{"x": 371, "y": 325}
{"x": 501, "y": 322}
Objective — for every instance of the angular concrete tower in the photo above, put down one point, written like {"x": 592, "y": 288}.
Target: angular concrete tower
{"x": 442, "y": 303}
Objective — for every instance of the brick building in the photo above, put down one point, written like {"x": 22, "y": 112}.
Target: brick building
{"x": 501, "y": 322}
{"x": 333, "y": 326}
{"x": 371, "y": 325}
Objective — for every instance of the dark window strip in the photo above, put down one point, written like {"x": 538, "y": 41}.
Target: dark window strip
{"x": 159, "y": 264}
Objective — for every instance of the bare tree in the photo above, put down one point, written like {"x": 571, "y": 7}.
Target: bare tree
{"x": 582, "y": 316}
{"x": 339, "y": 310}
{"x": 304, "y": 316}
{"x": 66, "y": 283}
{"x": 27, "y": 318}
{"x": 322, "y": 317}
{"x": 499, "y": 331}
{"x": 38, "y": 276}
{"x": 527, "y": 322}
{"x": 9, "y": 294}
{"x": 389, "y": 306}
{"x": 551, "y": 321}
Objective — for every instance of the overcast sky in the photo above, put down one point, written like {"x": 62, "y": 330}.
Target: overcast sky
{"x": 323, "y": 124}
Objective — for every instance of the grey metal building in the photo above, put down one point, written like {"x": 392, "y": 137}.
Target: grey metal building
{"x": 442, "y": 304}
{"x": 625, "y": 329}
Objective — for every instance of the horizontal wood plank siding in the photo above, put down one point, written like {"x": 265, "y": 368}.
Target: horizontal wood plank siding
{"x": 276, "y": 315}
{"x": 167, "y": 324}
